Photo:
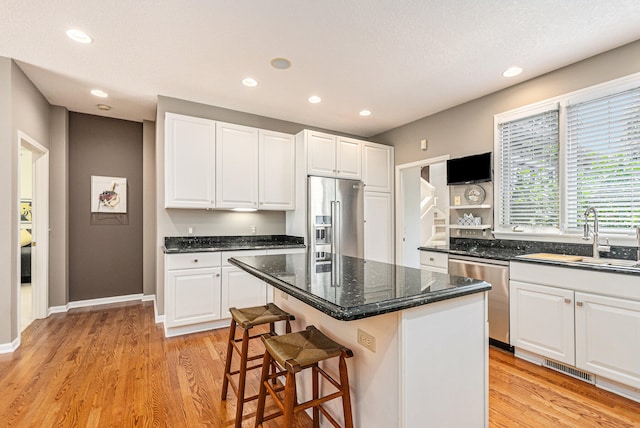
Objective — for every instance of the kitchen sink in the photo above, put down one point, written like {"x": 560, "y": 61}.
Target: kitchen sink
{"x": 609, "y": 262}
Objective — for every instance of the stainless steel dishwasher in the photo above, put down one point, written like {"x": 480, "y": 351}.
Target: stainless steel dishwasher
{"x": 495, "y": 272}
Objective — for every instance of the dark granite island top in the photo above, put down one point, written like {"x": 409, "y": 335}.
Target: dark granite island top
{"x": 349, "y": 288}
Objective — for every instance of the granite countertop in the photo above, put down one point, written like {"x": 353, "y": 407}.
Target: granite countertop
{"x": 349, "y": 288}
{"x": 510, "y": 250}
{"x": 198, "y": 244}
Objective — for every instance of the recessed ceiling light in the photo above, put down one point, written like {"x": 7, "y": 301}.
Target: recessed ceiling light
{"x": 280, "y": 63}
{"x": 79, "y": 36}
{"x": 99, "y": 93}
{"x": 314, "y": 99}
{"x": 512, "y": 71}
{"x": 365, "y": 113}
{"x": 104, "y": 107}
{"x": 248, "y": 81}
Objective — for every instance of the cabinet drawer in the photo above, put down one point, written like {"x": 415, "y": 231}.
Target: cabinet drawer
{"x": 192, "y": 260}
{"x": 226, "y": 255}
{"x": 431, "y": 258}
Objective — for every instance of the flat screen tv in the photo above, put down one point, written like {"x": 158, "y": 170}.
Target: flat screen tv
{"x": 470, "y": 169}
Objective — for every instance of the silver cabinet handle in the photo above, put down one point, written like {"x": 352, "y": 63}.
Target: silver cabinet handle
{"x": 217, "y": 275}
{"x": 195, "y": 260}
{"x": 430, "y": 259}
{"x": 579, "y": 303}
{"x": 567, "y": 300}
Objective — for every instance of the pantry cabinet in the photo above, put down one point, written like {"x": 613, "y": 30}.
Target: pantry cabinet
{"x": 378, "y": 227}
{"x": 377, "y": 169}
{"x": 189, "y": 162}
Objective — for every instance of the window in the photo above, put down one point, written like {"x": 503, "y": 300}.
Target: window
{"x": 603, "y": 160}
{"x": 529, "y": 174}
{"x": 557, "y": 158}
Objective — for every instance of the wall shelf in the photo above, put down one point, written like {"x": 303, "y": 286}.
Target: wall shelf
{"x": 479, "y": 227}
{"x": 469, "y": 207}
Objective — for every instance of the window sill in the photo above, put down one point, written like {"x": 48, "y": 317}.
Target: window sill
{"x": 624, "y": 240}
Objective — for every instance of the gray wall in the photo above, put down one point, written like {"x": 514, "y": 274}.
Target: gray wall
{"x": 149, "y": 207}
{"x": 22, "y": 108}
{"x": 105, "y": 250}
{"x": 58, "y": 216}
{"x": 468, "y": 128}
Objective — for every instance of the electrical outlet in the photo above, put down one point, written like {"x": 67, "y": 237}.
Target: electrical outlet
{"x": 253, "y": 229}
{"x": 367, "y": 340}
{"x": 190, "y": 230}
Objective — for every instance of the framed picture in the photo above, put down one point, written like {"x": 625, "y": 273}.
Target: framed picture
{"x": 108, "y": 194}
{"x": 25, "y": 211}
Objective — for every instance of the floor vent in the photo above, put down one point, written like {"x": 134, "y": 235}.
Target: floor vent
{"x": 571, "y": 371}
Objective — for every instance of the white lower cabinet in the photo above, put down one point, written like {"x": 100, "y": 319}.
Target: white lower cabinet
{"x": 193, "y": 296}
{"x": 608, "y": 337}
{"x": 239, "y": 288}
{"x": 583, "y": 318}
{"x": 434, "y": 261}
{"x": 192, "y": 292}
{"x": 542, "y": 320}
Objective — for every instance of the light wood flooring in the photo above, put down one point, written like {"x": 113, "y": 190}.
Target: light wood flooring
{"x": 111, "y": 366}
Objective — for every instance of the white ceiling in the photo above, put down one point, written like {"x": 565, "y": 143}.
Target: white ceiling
{"x": 401, "y": 59}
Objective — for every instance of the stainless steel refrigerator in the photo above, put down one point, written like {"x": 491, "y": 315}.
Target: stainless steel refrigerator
{"x": 336, "y": 217}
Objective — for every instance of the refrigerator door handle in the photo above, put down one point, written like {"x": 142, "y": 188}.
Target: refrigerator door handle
{"x": 333, "y": 226}
{"x": 338, "y": 227}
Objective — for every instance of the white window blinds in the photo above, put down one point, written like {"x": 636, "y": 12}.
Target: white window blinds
{"x": 603, "y": 160}
{"x": 529, "y": 173}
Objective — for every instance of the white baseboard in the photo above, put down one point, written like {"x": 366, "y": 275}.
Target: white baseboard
{"x": 6, "y": 348}
{"x": 195, "y": 328}
{"x": 100, "y": 301}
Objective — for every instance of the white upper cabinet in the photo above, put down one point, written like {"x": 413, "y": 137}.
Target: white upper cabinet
{"x": 277, "y": 158}
{"x": 331, "y": 156}
{"x": 377, "y": 167}
{"x": 236, "y": 166}
{"x": 321, "y": 154}
{"x": 348, "y": 158}
{"x": 189, "y": 162}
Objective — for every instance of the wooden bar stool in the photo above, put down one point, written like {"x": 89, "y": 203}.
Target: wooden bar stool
{"x": 294, "y": 352}
{"x": 247, "y": 318}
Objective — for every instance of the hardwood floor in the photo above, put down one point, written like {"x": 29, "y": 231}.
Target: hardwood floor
{"x": 111, "y": 366}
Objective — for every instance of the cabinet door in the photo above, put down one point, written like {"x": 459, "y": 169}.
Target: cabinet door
{"x": 349, "y": 158}
{"x": 189, "y": 162}
{"x": 277, "y": 171}
{"x": 236, "y": 166}
{"x": 378, "y": 227}
{"x": 608, "y": 337}
{"x": 377, "y": 169}
{"x": 542, "y": 320}
{"x": 193, "y": 296}
{"x": 241, "y": 290}
{"x": 321, "y": 154}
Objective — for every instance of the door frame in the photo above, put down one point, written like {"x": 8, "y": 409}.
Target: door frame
{"x": 400, "y": 199}
{"x": 40, "y": 227}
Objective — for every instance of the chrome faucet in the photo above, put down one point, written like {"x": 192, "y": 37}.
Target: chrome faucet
{"x": 595, "y": 233}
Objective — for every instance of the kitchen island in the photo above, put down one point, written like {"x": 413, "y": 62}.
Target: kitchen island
{"x": 420, "y": 338}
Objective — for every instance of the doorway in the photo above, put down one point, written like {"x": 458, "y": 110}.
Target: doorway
{"x": 33, "y": 250}
{"x": 422, "y": 210}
